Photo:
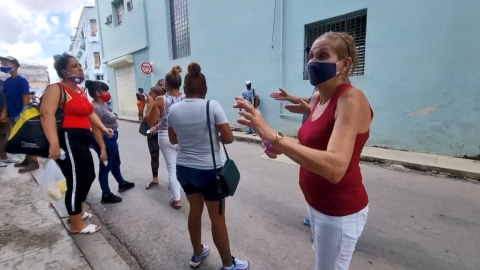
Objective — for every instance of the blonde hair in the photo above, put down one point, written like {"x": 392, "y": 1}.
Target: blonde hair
{"x": 344, "y": 47}
{"x": 173, "y": 77}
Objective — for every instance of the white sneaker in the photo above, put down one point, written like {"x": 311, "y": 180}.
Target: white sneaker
{"x": 9, "y": 160}
{"x": 3, "y": 164}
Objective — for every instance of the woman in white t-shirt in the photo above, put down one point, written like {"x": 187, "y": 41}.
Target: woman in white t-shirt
{"x": 158, "y": 114}
{"x": 187, "y": 127}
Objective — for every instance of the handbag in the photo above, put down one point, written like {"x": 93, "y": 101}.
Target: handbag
{"x": 229, "y": 176}
{"x": 143, "y": 128}
{"x": 27, "y": 136}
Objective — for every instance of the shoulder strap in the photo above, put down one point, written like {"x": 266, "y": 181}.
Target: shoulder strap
{"x": 63, "y": 97}
{"x": 211, "y": 138}
{"x": 341, "y": 89}
{"x": 220, "y": 207}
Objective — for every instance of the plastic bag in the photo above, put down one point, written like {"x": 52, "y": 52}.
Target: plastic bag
{"x": 54, "y": 184}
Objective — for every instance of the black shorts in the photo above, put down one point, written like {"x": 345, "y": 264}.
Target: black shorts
{"x": 199, "y": 181}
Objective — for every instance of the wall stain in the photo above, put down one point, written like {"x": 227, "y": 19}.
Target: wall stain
{"x": 26, "y": 239}
{"x": 423, "y": 111}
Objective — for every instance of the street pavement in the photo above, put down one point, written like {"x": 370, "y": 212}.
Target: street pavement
{"x": 415, "y": 221}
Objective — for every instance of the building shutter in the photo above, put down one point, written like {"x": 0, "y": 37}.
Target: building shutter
{"x": 126, "y": 90}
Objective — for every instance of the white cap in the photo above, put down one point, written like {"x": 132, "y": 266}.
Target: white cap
{"x": 248, "y": 82}
{"x": 10, "y": 59}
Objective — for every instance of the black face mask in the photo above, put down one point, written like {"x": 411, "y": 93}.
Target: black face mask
{"x": 320, "y": 72}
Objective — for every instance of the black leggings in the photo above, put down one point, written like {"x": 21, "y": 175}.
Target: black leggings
{"x": 77, "y": 167}
{"x": 154, "y": 153}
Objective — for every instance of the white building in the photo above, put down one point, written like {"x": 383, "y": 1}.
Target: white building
{"x": 37, "y": 75}
{"x": 86, "y": 45}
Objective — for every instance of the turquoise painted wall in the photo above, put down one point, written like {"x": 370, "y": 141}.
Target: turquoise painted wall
{"x": 130, "y": 36}
{"x": 421, "y": 73}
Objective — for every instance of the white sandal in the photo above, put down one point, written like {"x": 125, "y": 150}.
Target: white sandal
{"x": 85, "y": 216}
{"x": 91, "y": 228}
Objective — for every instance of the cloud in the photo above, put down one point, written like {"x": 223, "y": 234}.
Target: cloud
{"x": 24, "y": 52}
{"x": 53, "y": 6}
{"x": 51, "y": 70}
{"x": 55, "y": 20}
{"x": 59, "y": 39}
{"x": 74, "y": 19}
{"x": 33, "y": 30}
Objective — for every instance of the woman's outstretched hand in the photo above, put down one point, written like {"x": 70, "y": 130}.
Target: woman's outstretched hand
{"x": 253, "y": 118}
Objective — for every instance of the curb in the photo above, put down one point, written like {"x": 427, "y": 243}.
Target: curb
{"x": 456, "y": 173}
{"x": 129, "y": 120}
{"x": 98, "y": 253}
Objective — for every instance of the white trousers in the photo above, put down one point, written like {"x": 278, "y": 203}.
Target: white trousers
{"x": 170, "y": 153}
{"x": 335, "y": 238}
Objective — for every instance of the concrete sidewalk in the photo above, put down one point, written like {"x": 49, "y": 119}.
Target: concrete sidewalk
{"x": 95, "y": 248}
{"x": 456, "y": 167}
{"x": 32, "y": 235}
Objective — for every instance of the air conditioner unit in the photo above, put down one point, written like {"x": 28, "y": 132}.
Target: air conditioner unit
{"x": 129, "y": 5}
{"x": 109, "y": 20}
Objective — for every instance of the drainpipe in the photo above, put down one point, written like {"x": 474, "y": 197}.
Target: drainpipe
{"x": 281, "y": 42}
{"x": 99, "y": 29}
{"x": 282, "y": 79}
{"x": 147, "y": 35}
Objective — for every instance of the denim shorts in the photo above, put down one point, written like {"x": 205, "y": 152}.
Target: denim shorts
{"x": 199, "y": 181}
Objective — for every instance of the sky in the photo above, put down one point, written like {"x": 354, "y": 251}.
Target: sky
{"x": 35, "y": 30}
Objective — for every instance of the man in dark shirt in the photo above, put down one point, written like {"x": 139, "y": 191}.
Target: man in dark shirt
{"x": 4, "y": 128}
{"x": 17, "y": 95}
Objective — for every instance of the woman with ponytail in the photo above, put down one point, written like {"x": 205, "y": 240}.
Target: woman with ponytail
{"x": 98, "y": 91}
{"x": 152, "y": 136}
{"x": 158, "y": 114}
{"x": 187, "y": 126}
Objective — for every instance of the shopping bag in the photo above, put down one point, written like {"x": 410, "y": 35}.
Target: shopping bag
{"x": 27, "y": 136}
{"x": 54, "y": 184}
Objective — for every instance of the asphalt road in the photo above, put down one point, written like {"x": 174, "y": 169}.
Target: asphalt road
{"x": 415, "y": 221}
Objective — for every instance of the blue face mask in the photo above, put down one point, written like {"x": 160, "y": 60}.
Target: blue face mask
{"x": 6, "y": 69}
{"x": 320, "y": 72}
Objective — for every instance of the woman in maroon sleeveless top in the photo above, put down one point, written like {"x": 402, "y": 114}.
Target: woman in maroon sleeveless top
{"x": 328, "y": 149}
{"x": 74, "y": 138}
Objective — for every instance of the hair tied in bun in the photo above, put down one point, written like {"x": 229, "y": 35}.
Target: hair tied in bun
{"x": 194, "y": 69}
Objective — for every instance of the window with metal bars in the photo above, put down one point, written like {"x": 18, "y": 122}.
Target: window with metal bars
{"x": 180, "y": 28}
{"x": 119, "y": 11}
{"x": 354, "y": 24}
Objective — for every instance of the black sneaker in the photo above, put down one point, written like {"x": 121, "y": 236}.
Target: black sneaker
{"x": 31, "y": 166}
{"x": 24, "y": 163}
{"x": 111, "y": 198}
{"x": 125, "y": 186}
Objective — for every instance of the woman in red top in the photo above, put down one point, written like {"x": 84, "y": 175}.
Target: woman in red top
{"x": 74, "y": 138}
{"x": 328, "y": 150}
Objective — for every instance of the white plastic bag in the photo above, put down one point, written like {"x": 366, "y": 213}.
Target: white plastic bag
{"x": 54, "y": 184}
